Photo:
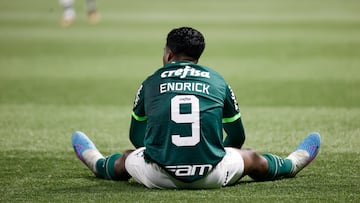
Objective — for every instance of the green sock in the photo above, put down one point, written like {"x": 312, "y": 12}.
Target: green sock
{"x": 278, "y": 167}
{"x": 105, "y": 167}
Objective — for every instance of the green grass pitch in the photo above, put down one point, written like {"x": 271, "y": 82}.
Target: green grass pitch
{"x": 294, "y": 65}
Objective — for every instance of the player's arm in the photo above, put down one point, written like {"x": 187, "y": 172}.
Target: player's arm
{"x": 235, "y": 134}
{"x": 232, "y": 123}
{"x": 138, "y": 120}
{"x": 137, "y": 131}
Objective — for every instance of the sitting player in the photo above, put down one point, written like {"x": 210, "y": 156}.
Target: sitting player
{"x": 177, "y": 127}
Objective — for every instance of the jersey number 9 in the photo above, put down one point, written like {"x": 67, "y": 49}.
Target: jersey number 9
{"x": 193, "y": 118}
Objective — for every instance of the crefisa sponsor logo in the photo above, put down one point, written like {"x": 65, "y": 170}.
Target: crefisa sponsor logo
{"x": 184, "y": 72}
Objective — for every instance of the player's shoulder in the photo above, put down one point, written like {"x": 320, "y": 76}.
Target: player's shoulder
{"x": 214, "y": 75}
{"x": 209, "y": 69}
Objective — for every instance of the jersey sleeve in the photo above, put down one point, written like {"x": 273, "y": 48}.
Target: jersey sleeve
{"x": 138, "y": 120}
{"x": 232, "y": 121}
{"x": 231, "y": 110}
{"x": 138, "y": 112}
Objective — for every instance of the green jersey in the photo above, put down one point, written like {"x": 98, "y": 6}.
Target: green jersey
{"x": 184, "y": 106}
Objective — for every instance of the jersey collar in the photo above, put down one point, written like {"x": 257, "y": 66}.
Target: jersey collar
{"x": 178, "y": 63}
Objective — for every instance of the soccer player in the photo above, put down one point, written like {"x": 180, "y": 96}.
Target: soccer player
{"x": 177, "y": 127}
{"x": 69, "y": 13}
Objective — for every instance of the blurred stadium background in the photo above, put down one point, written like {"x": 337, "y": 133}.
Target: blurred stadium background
{"x": 294, "y": 65}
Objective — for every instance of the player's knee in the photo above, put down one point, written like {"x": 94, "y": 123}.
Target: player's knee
{"x": 259, "y": 162}
{"x": 119, "y": 166}
{"x": 251, "y": 154}
{"x": 255, "y": 164}
{"x": 127, "y": 153}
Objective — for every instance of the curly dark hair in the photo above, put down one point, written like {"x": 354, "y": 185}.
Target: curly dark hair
{"x": 187, "y": 41}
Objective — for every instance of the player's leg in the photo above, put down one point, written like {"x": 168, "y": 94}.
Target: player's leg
{"x": 111, "y": 167}
{"x": 271, "y": 167}
{"x": 149, "y": 173}
{"x": 93, "y": 14}
{"x": 68, "y": 12}
{"x": 264, "y": 167}
{"x": 119, "y": 166}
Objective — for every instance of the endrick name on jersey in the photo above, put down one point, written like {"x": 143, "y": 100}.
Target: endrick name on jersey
{"x": 184, "y": 86}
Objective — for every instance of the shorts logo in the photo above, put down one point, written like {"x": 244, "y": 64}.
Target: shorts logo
{"x": 184, "y": 72}
{"x": 189, "y": 170}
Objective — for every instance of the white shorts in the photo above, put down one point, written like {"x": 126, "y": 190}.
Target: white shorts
{"x": 227, "y": 172}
